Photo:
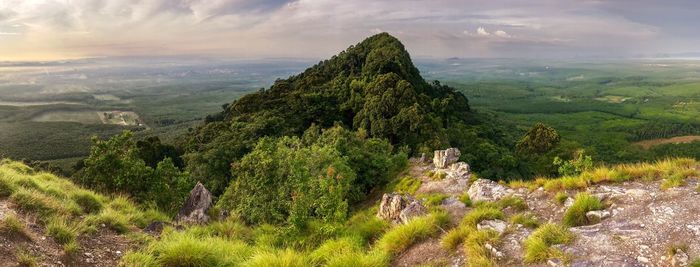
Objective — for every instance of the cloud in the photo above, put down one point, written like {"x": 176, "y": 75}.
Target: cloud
{"x": 319, "y": 28}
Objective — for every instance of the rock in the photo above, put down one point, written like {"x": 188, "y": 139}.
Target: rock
{"x": 444, "y": 158}
{"x": 486, "y": 190}
{"x": 495, "y": 225}
{"x": 423, "y": 158}
{"x": 595, "y": 216}
{"x": 413, "y": 210}
{"x": 643, "y": 259}
{"x": 554, "y": 262}
{"x": 196, "y": 206}
{"x": 568, "y": 202}
{"x": 494, "y": 251}
{"x": 459, "y": 170}
{"x": 398, "y": 208}
{"x": 679, "y": 259}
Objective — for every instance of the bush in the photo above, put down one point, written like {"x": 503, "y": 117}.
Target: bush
{"x": 576, "y": 214}
{"x": 538, "y": 245}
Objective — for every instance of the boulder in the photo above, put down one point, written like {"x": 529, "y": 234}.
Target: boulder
{"x": 595, "y": 216}
{"x": 398, "y": 208}
{"x": 486, "y": 190}
{"x": 196, "y": 206}
{"x": 459, "y": 170}
{"x": 444, "y": 158}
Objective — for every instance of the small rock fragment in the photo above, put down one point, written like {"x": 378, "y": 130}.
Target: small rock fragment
{"x": 595, "y": 216}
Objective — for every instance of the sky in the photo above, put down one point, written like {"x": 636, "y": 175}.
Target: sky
{"x": 63, "y": 29}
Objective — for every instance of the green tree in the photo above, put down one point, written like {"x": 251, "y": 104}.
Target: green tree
{"x": 580, "y": 163}
{"x": 538, "y": 140}
{"x": 115, "y": 166}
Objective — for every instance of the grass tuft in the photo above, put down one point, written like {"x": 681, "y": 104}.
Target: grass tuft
{"x": 26, "y": 259}
{"x": 576, "y": 214}
{"x": 88, "y": 201}
{"x": 481, "y": 213}
{"x": 61, "y": 231}
{"x": 538, "y": 246}
{"x": 464, "y": 198}
{"x": 401, "y": 237}
{"x": 561, "y": 197}
{"x": 405, "y": 185}
{"x": 11, "y": 225}
{"x": 528, "y": 220}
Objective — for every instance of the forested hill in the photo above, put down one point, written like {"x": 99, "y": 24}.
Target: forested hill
{"x": 372, "y": 87}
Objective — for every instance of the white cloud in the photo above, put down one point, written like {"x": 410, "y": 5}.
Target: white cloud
{"x": 481, "y": 31}
{"x": 501, "y": 33}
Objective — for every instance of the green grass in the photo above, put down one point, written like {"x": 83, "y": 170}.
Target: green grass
{"x": 464, "y": 198}
{"x": 62, "y": 231}
{"x": 561, "y": 197}
{"x": 538, "y": 246}
{"x": 576, "y": 214}
{"x": 454, "y": 237}
{"x": 26, "y": 259}
{"x": 673, "y": 181}
{"x": 401, "y": 237}
{"x": 406, "y": 185}
{"x": 475, "y": 250}
{"x": 434, "y": 199}
{"x": 695, "y": 263}
{"x": 12, "y": 225}
{"x": 88, "y": 201}
{"x": 528, "y": 220}
{"x": 479, "y": 214}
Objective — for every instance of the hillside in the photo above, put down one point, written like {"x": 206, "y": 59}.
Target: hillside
{"x": 372, "y": 86}
{"x": 48, "y": 220}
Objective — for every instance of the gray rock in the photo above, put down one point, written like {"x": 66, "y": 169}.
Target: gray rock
{"x": 398, "y": 208}
{"x": 196, "y": 206}
{"x": 495, "y": 225}
{"x": 444, "y": 158}
{"x": 486, "y": 190}
{"x": 412, "y": 210}
{"x": 596, "y": 216}
{"x": 459, "y": 170}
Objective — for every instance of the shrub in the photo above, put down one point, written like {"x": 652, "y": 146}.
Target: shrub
{"x": 576, "y": 214}
{"x": 538, "y": 245}
{"x": 401, "y": 237}
{"x": 88, "y": 201}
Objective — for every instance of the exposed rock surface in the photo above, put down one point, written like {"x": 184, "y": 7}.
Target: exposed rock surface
{"x": 196, "y": 206}
{"x": 443, "y": 158}
{"x": 399, "y": 208}
{"x": 495, "y": 225}
{"x": 486, "y": 190}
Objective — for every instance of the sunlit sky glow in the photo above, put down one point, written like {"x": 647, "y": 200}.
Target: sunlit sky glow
{"x": 57, "y": 29}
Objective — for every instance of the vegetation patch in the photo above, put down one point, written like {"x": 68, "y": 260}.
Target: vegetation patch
{"x": 401, "y": 237}
{"x": 528, "y": 220}
{"x": 13, "y": 226}
{"x": 576, "y": 214}
{"x": 538, "y": 246}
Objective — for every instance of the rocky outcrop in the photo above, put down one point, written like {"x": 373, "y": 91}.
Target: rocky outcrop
{"x": 398, "y": 208}
{"x": 459, "y": 170}
{"x": 444, "y": 158}
{"x": 196, "y": 206}
{"x": 486, "y": 190}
